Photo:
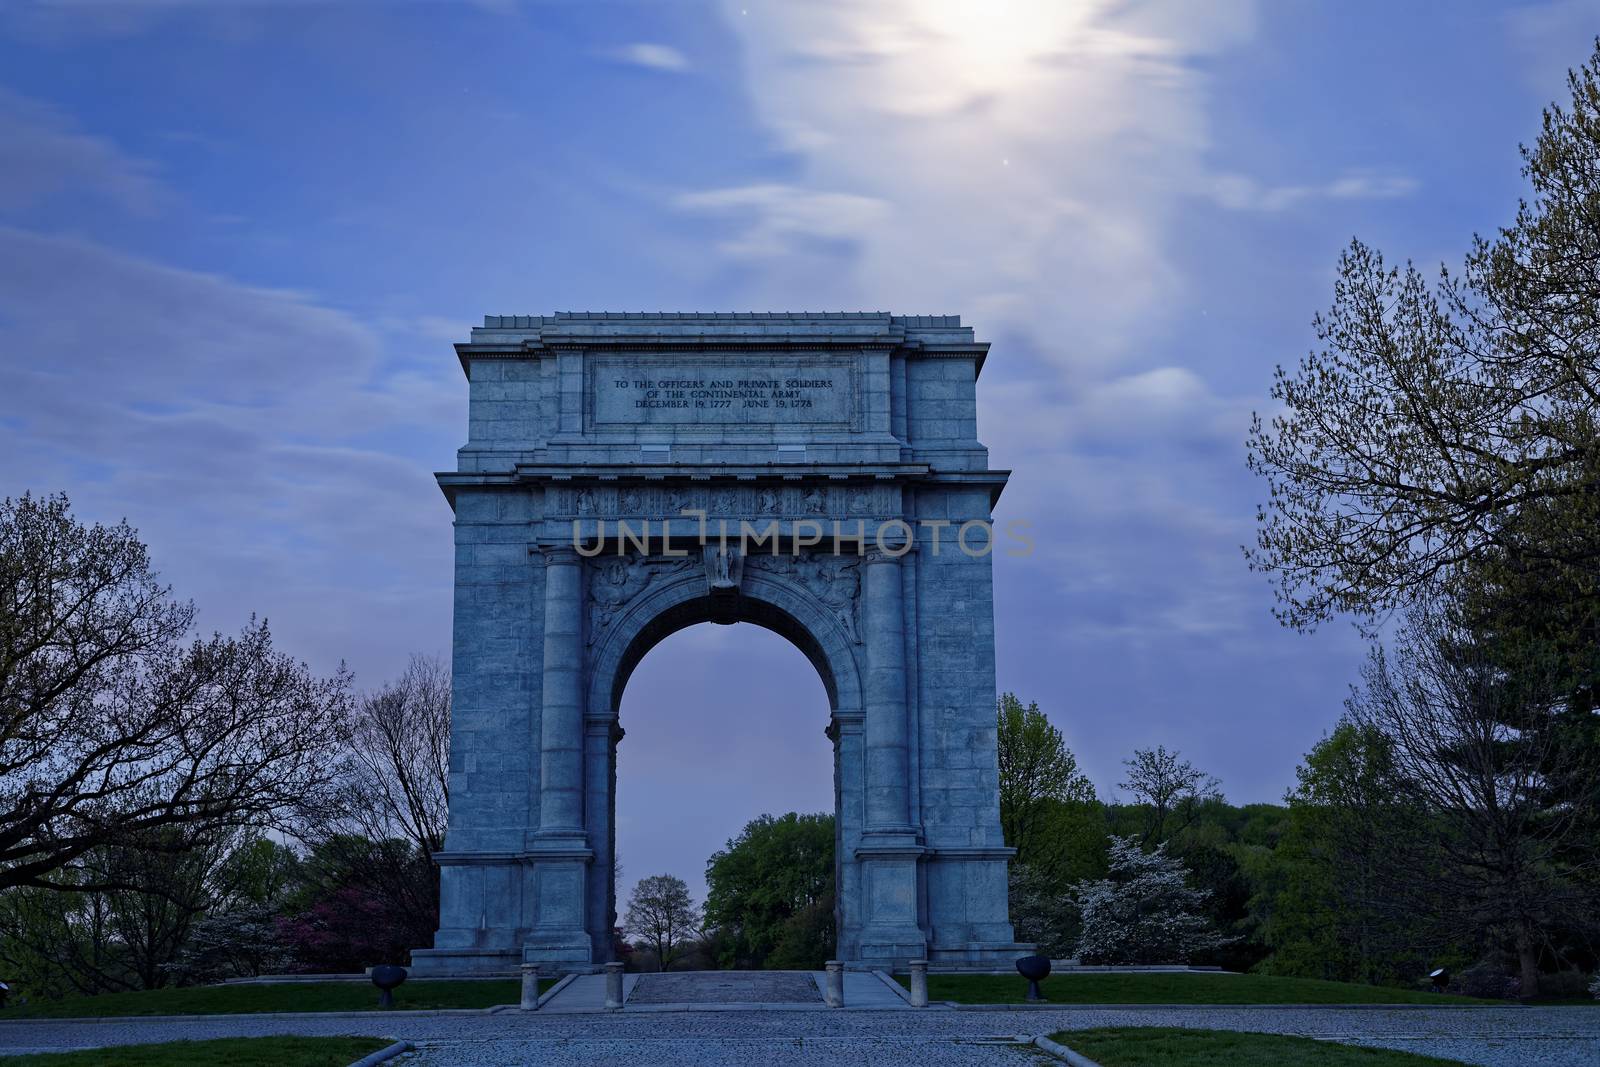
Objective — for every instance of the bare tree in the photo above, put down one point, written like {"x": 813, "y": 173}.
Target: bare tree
{"x": 401, "y": 755}
{"x": 1170, "y": 789}
{"x": 394, "y": 801}
{"x": 661, "y": 913}
{"x": 113, "y": 730}
{"x": 1471, "y": 743}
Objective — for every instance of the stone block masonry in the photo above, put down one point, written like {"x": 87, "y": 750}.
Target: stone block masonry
{"x": 850, "y": 439}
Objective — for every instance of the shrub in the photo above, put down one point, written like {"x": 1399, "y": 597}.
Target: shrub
{"x": 1144, "y": 912}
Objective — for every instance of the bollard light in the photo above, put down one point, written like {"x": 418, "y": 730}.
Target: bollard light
{"x": 1035, "y": 969}
{"x": 386, "y": 977}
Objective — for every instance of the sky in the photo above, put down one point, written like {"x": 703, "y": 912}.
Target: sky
{"x": 237, "y": 241}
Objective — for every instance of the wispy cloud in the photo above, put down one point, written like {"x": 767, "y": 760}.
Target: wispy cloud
{"x": 1035, "y": 156}
{"x": 772, "y": 221}
{"x": 233, "y": 425}
{"x": 1238, "y": 192}
{"x": 43, "y": 154}
{"x": 1553, "y": 37}
{"x": 651, "y": 56}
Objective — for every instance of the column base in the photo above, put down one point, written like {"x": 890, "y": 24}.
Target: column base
{"x": 464, "y": 962}
{"x": 891, "y": 937}
{"x": 560, "y": 952}
{"x": 558, "y": 872}
{"x": 892, "y": 948}
{"x": 978, "y": 957}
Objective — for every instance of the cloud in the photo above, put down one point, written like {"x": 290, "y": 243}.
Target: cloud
{"x": 1553, "y": 37}
{"x": 1238, "y": 192}
{"x": 780, "y": 220}
{"x": 652, "y": 57}
{"x": 271, "y": 449}
{"x": 1035, "y": 156}
{"x": 43, "y": 155}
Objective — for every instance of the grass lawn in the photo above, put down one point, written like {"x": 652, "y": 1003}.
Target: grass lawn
{"x": 1134, "y": 1046}
{"x": 286, "y": 996}
{"x": 227, "y": 1052}
{"x": 1159, "y": 988}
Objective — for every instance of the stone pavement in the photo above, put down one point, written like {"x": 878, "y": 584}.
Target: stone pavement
{"x": 726, "y": 991}
{"x": 1490, "y": 1037}
{"x": 727, "y": 987}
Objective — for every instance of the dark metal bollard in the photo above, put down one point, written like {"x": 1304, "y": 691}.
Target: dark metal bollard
{"x": 386, "y": 977}
{"x": 1034, "y": 969}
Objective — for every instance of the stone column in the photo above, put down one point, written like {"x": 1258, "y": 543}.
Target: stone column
{"x": 561, "y": 727}
{"x": 849, "y": 780}
{"x": 558, "y": 850}
{"x": 887, "y": 734}
{"x": 890, "y": 850}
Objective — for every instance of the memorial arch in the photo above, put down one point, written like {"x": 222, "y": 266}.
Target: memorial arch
{"x": 628, "y": 475}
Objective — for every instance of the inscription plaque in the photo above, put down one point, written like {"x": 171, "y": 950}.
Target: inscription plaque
{"x": 767, "y": 392}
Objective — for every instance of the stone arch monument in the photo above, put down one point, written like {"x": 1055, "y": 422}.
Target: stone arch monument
{"x": 627, "y": 475}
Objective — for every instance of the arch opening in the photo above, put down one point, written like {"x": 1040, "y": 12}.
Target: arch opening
{"x": 707, "y": 609}
{"x": 721, "y": 725}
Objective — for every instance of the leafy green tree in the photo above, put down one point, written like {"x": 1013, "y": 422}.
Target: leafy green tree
{"x": 1037, "y": 772}
{"x": 1170, "y": 791}
{"x": 1358, "y": 902}
{"x": 1471, "y": 745}
{"x": 771, "y": 894}
{"x": 1443, "y": 449}
{"x": 1455, "y": 426}
{"x": 127, "y": 916}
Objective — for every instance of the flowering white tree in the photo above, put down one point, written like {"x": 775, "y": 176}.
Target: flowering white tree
{"x": 1143, "y": 912}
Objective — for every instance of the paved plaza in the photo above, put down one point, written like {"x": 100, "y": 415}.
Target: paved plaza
{"x": 1493, "y": 1037}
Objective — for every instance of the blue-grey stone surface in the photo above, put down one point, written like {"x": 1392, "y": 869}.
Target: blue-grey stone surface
{"x": 625, "y": 476}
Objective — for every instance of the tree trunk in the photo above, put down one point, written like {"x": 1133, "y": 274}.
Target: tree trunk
{"x": 1528, "y": 957}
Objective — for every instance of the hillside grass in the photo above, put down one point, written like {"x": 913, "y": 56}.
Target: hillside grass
{"x": 231, "y": 1051}
{"x": 1175, "y": 988}
{"x": 425, "y": 994}
{"x": 1128, "y": 1046}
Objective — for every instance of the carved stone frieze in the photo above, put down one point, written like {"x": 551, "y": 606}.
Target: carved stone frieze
{"x": 835, "y": 580}
{"x": 616, "y": 580}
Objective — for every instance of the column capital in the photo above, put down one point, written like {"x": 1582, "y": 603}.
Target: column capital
{"x": 558, "y": 554}
{"x": 879, "y": 555}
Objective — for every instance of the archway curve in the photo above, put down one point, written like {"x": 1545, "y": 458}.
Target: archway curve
{"x": 763, "y": 599}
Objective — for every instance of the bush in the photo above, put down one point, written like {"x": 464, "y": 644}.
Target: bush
{"x": 241, "y": 943}
{"x": 1145, "y": 912}
{"x": 1564, "y": 985}
{"x": 1042, "y": 914}
{"x": 1487, "y": 978}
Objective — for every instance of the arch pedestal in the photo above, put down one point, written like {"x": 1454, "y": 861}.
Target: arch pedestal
{"x": 558, "y": 597}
